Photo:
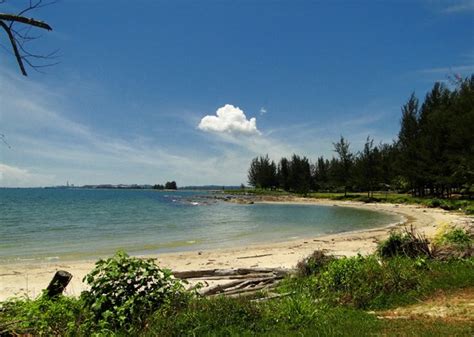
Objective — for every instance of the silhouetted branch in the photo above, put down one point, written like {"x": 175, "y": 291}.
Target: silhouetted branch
{"x": 4, "y": 140}
{"x": 14, "y": 44}
{"x": 20, "y": 37}
{"x": 26, "y": 21}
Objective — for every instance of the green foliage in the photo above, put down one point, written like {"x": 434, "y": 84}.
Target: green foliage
{"x": 59, "y": 317}
{"x": 407, "y": 243}
{"x": 125, "y": 289}
{"x": 207, "y": 316}
{"x": 171, "y": 185}
{"x": 262, "y": 173}
{"x": 313, "y": 263}
{"x": 455, "y": 237}
{"x": 469, "y": 210}
{"x": 297, "y": 315}
{"x": 433, "y": 155}
{"x": 367, "y": 282}
{"x": 312, "y": 306}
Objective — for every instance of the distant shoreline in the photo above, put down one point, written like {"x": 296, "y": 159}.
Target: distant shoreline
{"x": 23, "y": 278}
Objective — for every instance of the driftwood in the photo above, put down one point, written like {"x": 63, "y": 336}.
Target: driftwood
{"x": 253, "y": 256}
{"x": 241, "y": 280}
{"x": 220, "y": 288}
{"x": 228, "y": 272}
{"x": 232, "y": 277}
{"x": 58, "y": 283}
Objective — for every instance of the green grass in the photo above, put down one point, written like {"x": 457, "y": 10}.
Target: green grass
{"x": 332, "y": 302}
{"x": 258, "y": 191}
{"x": 464, "y": 205}
{"x": 399, "y": 198}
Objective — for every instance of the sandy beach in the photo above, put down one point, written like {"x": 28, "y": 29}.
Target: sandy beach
{"x": 28, "y": 279}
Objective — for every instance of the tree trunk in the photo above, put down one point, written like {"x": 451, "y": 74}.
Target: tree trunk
{"x": 58, "y": 283}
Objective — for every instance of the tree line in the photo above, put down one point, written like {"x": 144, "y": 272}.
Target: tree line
{"x": 169, "y": 185}
{"x": 432, "y": 155}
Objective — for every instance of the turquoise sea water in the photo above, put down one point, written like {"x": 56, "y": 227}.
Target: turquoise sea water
{"x": 50, "y": 224}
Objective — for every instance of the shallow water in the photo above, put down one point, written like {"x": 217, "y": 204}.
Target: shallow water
{"x": 51, "y": 224}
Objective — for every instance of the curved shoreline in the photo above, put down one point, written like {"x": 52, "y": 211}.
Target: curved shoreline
{"x": 29, "y": 279}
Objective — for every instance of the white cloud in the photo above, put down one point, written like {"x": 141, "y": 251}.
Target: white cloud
{"x": 50, "y": 147}
{"x": 11, "y": 176}
{"x": 263, "y": 111}
{"x": 449, "y": 70}
{"x": 460, "y": 6}
{"x": 229, "y": 119}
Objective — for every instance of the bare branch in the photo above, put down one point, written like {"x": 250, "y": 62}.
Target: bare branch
{"x": 15, "y": 47}
{"x": 19, "y": 36}
{"x": 4, "y": 140}
{"x": 27, "y": 21}
{"x": 38, "y": 4}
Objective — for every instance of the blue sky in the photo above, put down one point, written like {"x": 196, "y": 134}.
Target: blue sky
{"x": 128, "y": 101}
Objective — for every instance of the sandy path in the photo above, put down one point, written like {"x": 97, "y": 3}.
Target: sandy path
{"x": 28, "y": 279}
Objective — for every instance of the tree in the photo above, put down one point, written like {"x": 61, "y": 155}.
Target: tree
{"x": 262, "y": 173}
{"x": 461, "y": 142}
{"x": 171, "y": 185}
{"x": 368, "y": 165}
{"x": 321, "y": 173}
{"x": 284, "y": 174}
{"x": 17, "y": 28}
{"x": 299, "y": 174}
{"x": 343, "y": 169}
{"x": 408, "y": 143}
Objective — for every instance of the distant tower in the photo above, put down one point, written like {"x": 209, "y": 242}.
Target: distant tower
{"x": 67, "y": 183}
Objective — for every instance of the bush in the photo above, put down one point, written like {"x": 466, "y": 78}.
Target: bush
{"x": 218, "y": 316}
{"x": 313, "y": 263}
{"x": 366, "y": 281}
{"x": 434, "y": 203}
{"x": 407, "y": 243}
{"x": 124, "y": 290}
{"x": 457, "y": 236}
{"x": 451, "y": 242}
{"x": 62, "y": 316}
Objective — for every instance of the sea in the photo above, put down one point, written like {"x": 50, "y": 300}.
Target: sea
{"x": 75, "y": 224}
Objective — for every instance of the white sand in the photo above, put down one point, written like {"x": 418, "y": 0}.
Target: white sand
{"x": 28, "y": 279}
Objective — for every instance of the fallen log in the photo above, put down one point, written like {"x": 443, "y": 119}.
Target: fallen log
{"x": 242, "y": 286}
{"x": 233, "y": 277}
{"x": 220, "y": 287}
{"x": 246, "y": 290}
{"x": 227, "y": 272}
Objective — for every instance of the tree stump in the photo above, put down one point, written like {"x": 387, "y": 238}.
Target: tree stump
{"x": 58, "y": 283}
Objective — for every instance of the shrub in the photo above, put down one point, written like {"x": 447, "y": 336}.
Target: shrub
{"x": 434, "y": 203}
{"x": 452, "y": 242}
{"x": 124, "y": 290}
{"x": 457, "y": 236}
{"x": 313, "y": 263}
{"x": 407, "y": 243}
{"x": 366, "y": 281}
{"x": 62, "y": 316}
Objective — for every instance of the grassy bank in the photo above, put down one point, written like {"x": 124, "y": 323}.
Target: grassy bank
{"x": 464, "y": 205}
{"x": 326, "y": 297}
{"x": 342, "y": 300}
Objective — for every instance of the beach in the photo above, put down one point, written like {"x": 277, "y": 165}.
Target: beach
{"x": 28, "y": 279}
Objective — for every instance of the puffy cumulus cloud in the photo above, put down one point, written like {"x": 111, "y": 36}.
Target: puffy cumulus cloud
{"x": 229, "y": 119}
